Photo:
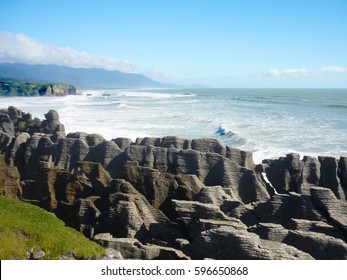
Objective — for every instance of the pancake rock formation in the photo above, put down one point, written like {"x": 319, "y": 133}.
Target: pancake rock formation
{"x": 173, "y": 198}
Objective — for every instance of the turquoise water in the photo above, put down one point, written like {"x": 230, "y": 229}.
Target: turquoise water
{"x": 268, "y": 122}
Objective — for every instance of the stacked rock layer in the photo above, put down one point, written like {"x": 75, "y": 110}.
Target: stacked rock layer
{"x": 173, "y": 198}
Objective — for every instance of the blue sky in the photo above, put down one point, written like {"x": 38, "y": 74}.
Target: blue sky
{"x": 248, "y": 43}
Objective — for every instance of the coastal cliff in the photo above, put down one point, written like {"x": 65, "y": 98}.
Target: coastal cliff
{"x": 18, "y": 88}
{"x": 173, "y": 198}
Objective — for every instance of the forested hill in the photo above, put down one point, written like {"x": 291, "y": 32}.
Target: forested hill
{"x": 80, "y": 77}
{"x": 10, "y": 87}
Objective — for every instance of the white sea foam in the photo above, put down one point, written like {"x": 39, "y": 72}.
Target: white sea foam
{"x": 144, "y": 94}
{"x": 270, "y": 123}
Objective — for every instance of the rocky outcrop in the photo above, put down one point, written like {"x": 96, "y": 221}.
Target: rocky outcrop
{"x": 51, "y": 186}
{"x": 98, "y": 177}
{"x": 310, "y": 175}
{"x": 106, "y": 153}
{"x": 128, "y": 213}
{"x": 270, "y": 231}
{"x": 316, "y": 226}
{"x": 335, "y": 209}
{"x": 242, "y": 158}
{"x": 131, "y": 248}
{"x": 211, "y": 168}
{"x": 82, "y": 215}
{"x": 343, "y": 172}
{"x": 6, "y": 124}
{"x": 285, "y": 173}
{"x": 329, "y": 176}
{"x": 16, "y": 149}
{"x": 69, "y": 151}
{"x": 292, "y": 174}
{"x": 51, "y": 124}
{"x": 39, "y": 152}
{"x": 9, "y": 180}
{"x": 228, "y": 243}
{"x": 17, "y": 88}
{"x": 160, "y": 188}
{"x": 281, "y": 208}
{"x": 174, "y": 198}
{"x": 318, "y": 245}
{"x": 198, "y": 217}
{"x": 5, "y": 141}
{"x": 123, "y": 143}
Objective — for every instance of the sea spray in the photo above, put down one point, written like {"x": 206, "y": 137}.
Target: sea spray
{"x": 268, "y": 122}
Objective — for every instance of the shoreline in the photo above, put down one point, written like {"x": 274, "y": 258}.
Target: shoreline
{"x": 267, "y": 132}
{"x": 136, "y": 139}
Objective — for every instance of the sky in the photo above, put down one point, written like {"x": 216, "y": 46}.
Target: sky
{"x": 230, "y": 43}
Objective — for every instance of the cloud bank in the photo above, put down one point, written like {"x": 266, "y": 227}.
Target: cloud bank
{"x": 302, "y": 72}
{"x": 21, "y": 48}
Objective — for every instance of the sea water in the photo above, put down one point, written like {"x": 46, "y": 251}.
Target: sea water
{"x": 268, "y": 122}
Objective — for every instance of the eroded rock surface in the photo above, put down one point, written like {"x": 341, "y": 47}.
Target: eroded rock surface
{"x": 174, "y": 198}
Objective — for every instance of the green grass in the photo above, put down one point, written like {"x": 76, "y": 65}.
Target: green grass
{"x": 24, "y": 226}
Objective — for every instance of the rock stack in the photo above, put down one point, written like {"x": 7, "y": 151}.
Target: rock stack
{"x": 173, "y": 198}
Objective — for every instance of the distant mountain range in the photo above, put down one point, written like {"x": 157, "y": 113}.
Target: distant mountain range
{"x": 80, "y": 77}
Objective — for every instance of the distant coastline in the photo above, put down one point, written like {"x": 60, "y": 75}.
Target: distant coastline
{"x": 79, "y": 77}
{"x": 9, "y": 87}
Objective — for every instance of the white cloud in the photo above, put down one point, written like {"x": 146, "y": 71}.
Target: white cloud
{"x": 289, "y": 72}
{"x": 297, "y": 72}
{"x": 333, "y": 69}
{"x": 275, "y": 72}
{"x": 301, "y": 72}
{"x": 21, "y": 48}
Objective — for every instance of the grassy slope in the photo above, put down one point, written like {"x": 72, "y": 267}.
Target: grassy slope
{"x": 24, "y": 226}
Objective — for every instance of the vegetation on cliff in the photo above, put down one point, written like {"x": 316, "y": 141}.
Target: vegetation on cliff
{"x": 10, "y": 87}
{"x": 25, "y": 228}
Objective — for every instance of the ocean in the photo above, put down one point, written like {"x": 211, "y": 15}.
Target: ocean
{"x": 268, "y": 122}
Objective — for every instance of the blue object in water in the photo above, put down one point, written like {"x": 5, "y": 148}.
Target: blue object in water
{"x": 220, "y": 131}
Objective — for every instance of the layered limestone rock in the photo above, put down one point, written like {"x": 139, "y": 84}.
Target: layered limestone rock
{"x": 127, "y": 213}
{"x": 316, "y": 226}
{"x": 53, "y": 185}
{"x": 204, "y": 145}
{"x": 281, "y": 208}
{"x": 336, "y": 209}
{"x": 6, "y": 124}
{"x": 211, "y": 168}
{"x": 5, "y": 141}
{"x": 160, "y": 188}
{"x": 122, "y": 143}
{"x": 310, "y": 174}
{"x": 15, "y": 151}
{"x": 198, "y": 217}
{"x": 228, "y": 243}
{"x": 82, "y": 215}
{"x": 98, "y": 177}
{"x": 174, "y": 198}
{"x": 284, "y": 173}
{"x": 69, "y": 151}
{"x": 131, "y": 248}
{"x": 52, "y": 124}
{"x": 343, "y": 172}
{"x": 292, "y": 174}
{"x": 320, "y": 246}
{"x": 9, "y": 180}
